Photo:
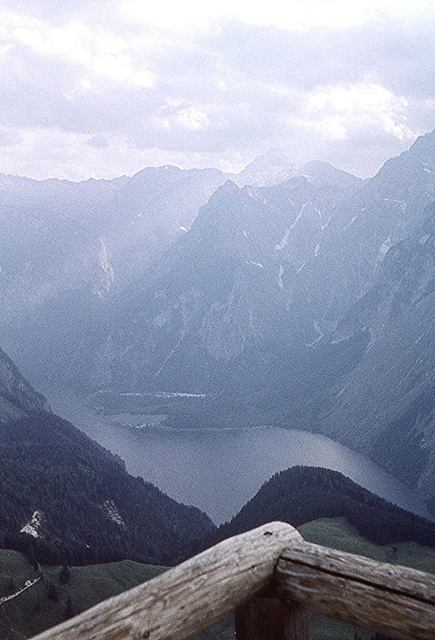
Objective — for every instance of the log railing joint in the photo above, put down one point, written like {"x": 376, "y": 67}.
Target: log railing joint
{"x": 271, "y": 578}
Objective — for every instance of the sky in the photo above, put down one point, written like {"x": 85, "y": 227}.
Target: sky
{"x": 103, "y": 88}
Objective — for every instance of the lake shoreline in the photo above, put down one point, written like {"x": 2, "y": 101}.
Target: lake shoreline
{"x": 219, "y": 469}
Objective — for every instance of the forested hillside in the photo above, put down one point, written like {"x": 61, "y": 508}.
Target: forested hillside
{"x": 66, "y": 499}
{"x": 303, "y": 494}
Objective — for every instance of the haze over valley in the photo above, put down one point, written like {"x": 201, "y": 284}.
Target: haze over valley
{"x": 278, "y": 303}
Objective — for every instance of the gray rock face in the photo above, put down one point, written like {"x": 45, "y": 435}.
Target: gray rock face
{"x": 385, "y": 210}
{"x": 59, "y": 235}
{"x": 224, "y": 292}
{"x": 323, "y": 174}
{"x": 385, "y": 407}
{"x": 262, "y": 272}
{"x": 68, "y": 247}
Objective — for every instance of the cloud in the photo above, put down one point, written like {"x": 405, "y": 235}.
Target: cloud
{"x": 9, "y": 137}
{"x": 63, "y": 11}
{"x": 96, "y": 52}
{"x": 365, "y": 103}
{"x": 217, "y": 92}
{"x": 292, "y": 15}
{"x": 98, "y": 141}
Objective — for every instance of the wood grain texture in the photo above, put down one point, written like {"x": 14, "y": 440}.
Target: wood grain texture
{"x": 271, "y": 619}
{"x": 187, "y": 599}
{"x": 393, "y": 600}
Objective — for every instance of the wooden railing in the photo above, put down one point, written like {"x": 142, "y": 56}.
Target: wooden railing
{"x": 271, "y": 578}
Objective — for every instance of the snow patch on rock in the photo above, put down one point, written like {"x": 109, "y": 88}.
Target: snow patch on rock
{"x": 280, "y": 275}
{"x": 283, "y": 242}
{"x": 111, "y": 511}
{"x": 385, "y": 246}
{"x": 34, "y": 526}
{"x": 108, "y": 274}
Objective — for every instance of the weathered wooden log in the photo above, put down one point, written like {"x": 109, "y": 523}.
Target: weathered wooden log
{"x": 393, "y": 600}
{"x": 268, "y": 618}
{"x": 185, "y": 600}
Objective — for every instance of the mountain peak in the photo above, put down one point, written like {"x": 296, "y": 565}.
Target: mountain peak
{"x": 424, "y": 144}
{"x": 322, "y": 173}
{"x": 411, "y": 171}
{"x": 267, "y": 169}
{"x": 271, "y": 155}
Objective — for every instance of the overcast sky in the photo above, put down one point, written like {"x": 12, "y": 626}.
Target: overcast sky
{"x": 101, "y": 88}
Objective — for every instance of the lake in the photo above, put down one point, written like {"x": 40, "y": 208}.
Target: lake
{"x": 219, "y": 470}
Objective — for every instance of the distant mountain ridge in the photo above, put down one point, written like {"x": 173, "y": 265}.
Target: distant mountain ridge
{"x": 70, "y": 248}
{"x": 222, "y": 294}
{"x": 262, "y": 270}
{"x": 266, "y": 170}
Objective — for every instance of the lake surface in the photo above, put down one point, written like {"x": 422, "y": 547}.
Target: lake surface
{"x": 219, "y": 470}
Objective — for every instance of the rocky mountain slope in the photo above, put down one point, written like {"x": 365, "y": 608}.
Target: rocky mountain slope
{"x": 261, "y": 277}
{"x": 385, "y": 406}
{"x": 382, "y": 212}
{"x": 16, "y": 394}
{"x": 220, "y": 304}
{"x": 68, "y": 247}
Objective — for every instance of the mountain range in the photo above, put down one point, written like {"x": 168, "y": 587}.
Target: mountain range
{"x": 299, "y": 297}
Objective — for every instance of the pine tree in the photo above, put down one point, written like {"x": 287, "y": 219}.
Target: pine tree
{"x": 11, "y": 586}
{"x": 64, "y": 574}
{"x": 69, "y": 611}
{"x": 52, "y": 592}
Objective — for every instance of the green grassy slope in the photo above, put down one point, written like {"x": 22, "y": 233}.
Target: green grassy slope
{"x": 339, "y": 534}
{"x": 43, "y": 606}
{"x": 34, "y": 610}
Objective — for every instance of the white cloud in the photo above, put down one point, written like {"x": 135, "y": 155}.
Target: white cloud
{"x": 91, "y": 88}
{"x": 9, "y": 137}
{"x": 292, "y": 15}
{"x": 99, "y": 52}
{"x": 98, "y": 141}
{"x": 329, "y": 127}
{"x": 362, "y": 102}
{"x": 44, "y": 153}
{"x": 192, "y": 119}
